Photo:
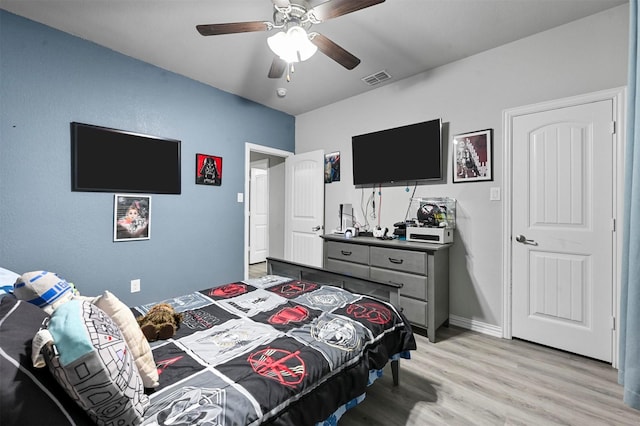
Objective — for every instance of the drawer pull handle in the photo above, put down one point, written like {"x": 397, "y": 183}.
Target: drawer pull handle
{"x": 396, "y": 261}
{"x": 345, "y": 253}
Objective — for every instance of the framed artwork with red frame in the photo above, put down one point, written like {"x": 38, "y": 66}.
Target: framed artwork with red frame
{"x": 208, "y": 170}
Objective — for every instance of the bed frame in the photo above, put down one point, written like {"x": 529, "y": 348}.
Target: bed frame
{"x": 389, "y": 292}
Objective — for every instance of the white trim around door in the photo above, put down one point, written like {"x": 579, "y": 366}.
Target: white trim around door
{"x": 618, "y": 97}
{"x": 249, "y": 148}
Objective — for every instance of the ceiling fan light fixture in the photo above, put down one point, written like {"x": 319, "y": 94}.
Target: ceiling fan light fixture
{"x": 293, "y": 45}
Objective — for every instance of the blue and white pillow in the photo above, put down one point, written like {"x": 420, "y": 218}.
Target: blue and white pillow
{"x": 44, "y": 289}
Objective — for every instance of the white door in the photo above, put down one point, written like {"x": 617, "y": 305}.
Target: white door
{"x": 258, "y": 212}
{"x": 304, "y": 208}
{"x": 562, "y": 228}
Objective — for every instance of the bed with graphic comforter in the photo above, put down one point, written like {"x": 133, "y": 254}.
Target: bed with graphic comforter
{"x": 273, "y": 350}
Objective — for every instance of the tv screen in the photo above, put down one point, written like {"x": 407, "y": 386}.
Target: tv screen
{"x": 399, "y": 155}
{"x": 111, "y": 160}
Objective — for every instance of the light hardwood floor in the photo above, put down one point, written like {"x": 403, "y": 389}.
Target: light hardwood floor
{"x": 468, "y": 378}
{"x": 258, "y": 270}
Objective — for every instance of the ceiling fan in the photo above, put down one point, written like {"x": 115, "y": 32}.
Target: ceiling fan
{"x": 294, "y": 43}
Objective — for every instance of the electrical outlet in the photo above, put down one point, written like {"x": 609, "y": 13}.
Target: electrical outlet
{"x": 135, "y": 286}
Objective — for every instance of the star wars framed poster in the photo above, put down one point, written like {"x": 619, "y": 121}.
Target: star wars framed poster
{"x": 332, "y": 167}
{"x": 208, "y": 170}
{"x": 131, "y": 217}
{"x": 472, "y": 156}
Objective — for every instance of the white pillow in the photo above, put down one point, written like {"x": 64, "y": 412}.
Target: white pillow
{"x": 137, "y": 343}
{"x": 7, "y": 279}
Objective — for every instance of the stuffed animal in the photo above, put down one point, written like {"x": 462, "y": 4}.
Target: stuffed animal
{"x": 160, "y": 322}
{"x": 46, "y": 290}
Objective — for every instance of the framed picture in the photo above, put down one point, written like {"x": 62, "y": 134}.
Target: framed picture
{"x": 208, "y": 170}
{"x": 332, "y": 167}
{"x": 131, "y": 217}
{"x": 473, "y": 156}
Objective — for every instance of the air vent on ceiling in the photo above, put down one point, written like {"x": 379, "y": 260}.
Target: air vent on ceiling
{"x": 376, "y": 78}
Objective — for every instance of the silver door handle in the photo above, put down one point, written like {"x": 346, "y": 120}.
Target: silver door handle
{"x": 522, "y": 239}
{"x": 316, "y": 228}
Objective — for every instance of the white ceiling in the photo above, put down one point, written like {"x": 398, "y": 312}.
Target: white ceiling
{"x": 403, "y": 37}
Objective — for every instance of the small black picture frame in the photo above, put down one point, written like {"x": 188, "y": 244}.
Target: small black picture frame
{"x": 208, "y": 170}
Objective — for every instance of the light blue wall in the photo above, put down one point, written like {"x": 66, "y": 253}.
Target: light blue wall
{"x": 48, "y": 79}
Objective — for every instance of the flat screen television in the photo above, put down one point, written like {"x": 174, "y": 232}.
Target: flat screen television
{"x": 399, "y": 155}
{"x": 111, "y": 160}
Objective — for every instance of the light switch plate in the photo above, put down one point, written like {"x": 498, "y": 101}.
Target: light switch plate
{"x": 494, "y": 193}
{"x": 240, "y": 197}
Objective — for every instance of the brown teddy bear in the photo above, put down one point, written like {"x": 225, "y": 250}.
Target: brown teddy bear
{"x": 160, "y": 322}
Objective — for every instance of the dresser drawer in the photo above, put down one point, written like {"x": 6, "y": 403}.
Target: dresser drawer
{"x": 355, "y": 253}
{"x": 401, "y": 260}
{"x": 348, "y": 268}
{"x": 414, "y": 310}
{"x": 412, "y": 285}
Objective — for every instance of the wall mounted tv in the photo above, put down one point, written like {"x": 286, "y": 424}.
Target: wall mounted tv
{"x": 111, "y": 160}
{"x": 399, "y": 155}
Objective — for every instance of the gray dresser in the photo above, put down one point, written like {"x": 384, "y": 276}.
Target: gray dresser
{"x": 421, "y": 268}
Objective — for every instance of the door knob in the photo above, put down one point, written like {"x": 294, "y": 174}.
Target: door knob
{"x": 316, "y": 228}
{"x": 522, "y": 239}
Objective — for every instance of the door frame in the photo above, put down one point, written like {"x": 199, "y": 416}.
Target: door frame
{"x": 262, "y": 164}
{"x": 248, "y": 149}
{"x": 618, "y": 98}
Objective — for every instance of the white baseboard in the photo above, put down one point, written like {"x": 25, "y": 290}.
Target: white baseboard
{"x": 473, "y": 325}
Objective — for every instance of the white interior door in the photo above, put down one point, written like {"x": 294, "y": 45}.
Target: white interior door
{"x": 304, "y": 208}
{"x": 562, "y": 228}
{"x": 258, "y": 212}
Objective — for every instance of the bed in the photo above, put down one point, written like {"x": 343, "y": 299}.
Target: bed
{"x": 296, "y": 347}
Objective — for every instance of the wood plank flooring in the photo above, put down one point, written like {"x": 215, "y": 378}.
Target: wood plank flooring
{"x": 468, "y": 378}
{"x": 258, "y": 270}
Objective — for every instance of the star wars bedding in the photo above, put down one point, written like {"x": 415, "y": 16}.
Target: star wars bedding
{"x": 271, "y": 351}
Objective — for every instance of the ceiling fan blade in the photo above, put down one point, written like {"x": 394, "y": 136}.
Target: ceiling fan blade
{"x": 334, "y": 51}
{"x": 334, "y": 8}
{"x": 277, "y": 68}
{"x": 232, "y": 28}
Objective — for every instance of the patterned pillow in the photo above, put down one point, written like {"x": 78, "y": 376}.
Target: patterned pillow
{"x": 140, "y": 348}
{"x": 87, "y": 354}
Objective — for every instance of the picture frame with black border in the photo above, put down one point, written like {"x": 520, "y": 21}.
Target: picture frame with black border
{"x": 208, "y": 170}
